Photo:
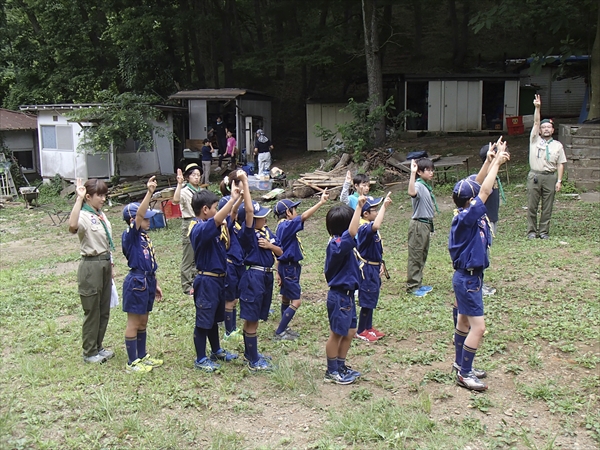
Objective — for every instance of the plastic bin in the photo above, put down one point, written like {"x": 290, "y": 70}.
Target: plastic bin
{"x": 158, "y": 220}
{"x": 257, "y": 184}
{"x": 515, "y": 125}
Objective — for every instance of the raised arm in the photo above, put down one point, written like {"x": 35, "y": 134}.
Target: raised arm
{"x": 141, "y": 212}
{"x": 498, "y": 146}
{"x": 488, "y": 183}
{"x": 537, "y": 116}
{"x": 243, "y": 177}
{"x": 353, "y": 228}
{"x": 74, "y": 217}
{"x": 381, "y": 213}
{"x": 412, "y": 190}
{"x": 309, "y": 212}
{"x": 222, "y": 214}
{"x": 180, "y": 184}
{"x": 346, "y": 188}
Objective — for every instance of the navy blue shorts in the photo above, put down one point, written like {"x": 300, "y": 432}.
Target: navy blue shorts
{"x": 290, "y": 280}
{"x": 341, "y": 311}
{"x": 232, "y": 281}
{"x": 209, "y": 301}
{"x": 467, "y": 290}
{"x": 139, "y": 291}
{"x": 368, "y": 290}
{"x": 256, "y": 293}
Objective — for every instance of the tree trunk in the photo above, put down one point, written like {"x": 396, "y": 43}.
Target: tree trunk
{"x": 418, "y": 18}
{"x": 374, "y": 78}
{"x": 594, "y": 111}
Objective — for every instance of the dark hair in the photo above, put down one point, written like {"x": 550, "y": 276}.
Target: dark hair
{"x": 225, "y": 188}
{"x": 95, "y": 186}
{"x": 206, "y": 140}
{"x": 201, "y": 199}
{"x": 338, "y": 219}
{"x": 360, "y": 178}
{"x": 460, "y": 202}
{"x": 284, "y": 214}
{"x": 424, "y": 163}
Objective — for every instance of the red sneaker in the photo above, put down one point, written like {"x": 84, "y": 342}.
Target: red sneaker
{"x": 366, "y": 336}
{"x": 377, "y": 333}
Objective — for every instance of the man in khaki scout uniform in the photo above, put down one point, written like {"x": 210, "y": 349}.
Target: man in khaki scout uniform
{"x": 547, "y": 164}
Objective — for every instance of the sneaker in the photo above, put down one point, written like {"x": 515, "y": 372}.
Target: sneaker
{"x": 338, "y": 378}
{"x": 151, "y": 362}
{"x": 347, "y": 370}
{"x": 284, "y": 336}
{"x": 207, "y": 365}
{"x": 223, "y": 355}
{"x": 377, "y": 333}
{"x": 217, "y": 169}
{"x": 96, "y": 359}
{"x": 260, "y": 356}
{"x": 138, "y": 366}
{"x": 235, "y": 336}
{"x": 470, "y": 381}
{"x": 479, "y": 373}
{"x": 262, "y": 364}
{"x": 107, "y": 354}
{"x": 419, "y": 293}
{"x": 366, "y": 336}
{"x": 487, "y": 290}
{"x": 289, "y": 330}
{"x": 426, "y": 288}
{"x": 544, "y": 236}
{"x": 531, "y": 236}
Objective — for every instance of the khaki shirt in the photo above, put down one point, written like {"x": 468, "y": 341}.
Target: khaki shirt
{"x": 92, "y": 236}
{"x": 185, "y": 202}
{"x": 537, "y": 154}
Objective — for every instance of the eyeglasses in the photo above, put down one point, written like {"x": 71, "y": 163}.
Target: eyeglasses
{"x": 429, "y": 170}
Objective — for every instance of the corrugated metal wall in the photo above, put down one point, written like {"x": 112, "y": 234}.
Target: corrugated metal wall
{"x": 559, "y": 97}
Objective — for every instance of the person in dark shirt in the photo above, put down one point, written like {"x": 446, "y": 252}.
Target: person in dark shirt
{"x": 207, "y": 150}
{"x": 220, "y": 130}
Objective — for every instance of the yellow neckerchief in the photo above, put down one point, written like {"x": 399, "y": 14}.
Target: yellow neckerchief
{"x": 264, "y": 233}
{"x": 224, "y": 233}
{"x": 485, "y": 216}
{"x": 150, "y": 248}
{"x": 297, "y": 237}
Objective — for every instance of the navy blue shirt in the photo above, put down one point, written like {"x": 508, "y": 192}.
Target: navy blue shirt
{"x": 290, "y": 243}
{"x": 341, "y": 265}
{"x": 235, "y": 252}
{"x": 137, "y": 248}
{"x": 470, "y": 237}
{"x": 492, "y": 205}
{"x": 206, "y": 153}
{"x": 369, "y": 243}
{"x": 255, "y": 255}
{"x": 210, "y": 254}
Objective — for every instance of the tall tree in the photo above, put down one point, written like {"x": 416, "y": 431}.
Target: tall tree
{"x": 374, "y": 76}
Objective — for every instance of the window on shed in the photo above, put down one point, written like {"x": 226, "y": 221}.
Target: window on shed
{"x": 56, "y": 137}
{"x": 132, "y": 146}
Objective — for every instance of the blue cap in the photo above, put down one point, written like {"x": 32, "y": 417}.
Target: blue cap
{"x": 371, "y": 203}
{"x": 283, "y": 205}
{"x": 223, "y": 201}
{"x": 467, "y": 188}
{"x": 130, "y": 211}
{"x": 260, "y": 212}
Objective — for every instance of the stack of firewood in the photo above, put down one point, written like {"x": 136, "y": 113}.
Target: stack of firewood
{"x": 135, "y": 189}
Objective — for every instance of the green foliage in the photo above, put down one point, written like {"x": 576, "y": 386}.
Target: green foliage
{"x": 119, "y": 117}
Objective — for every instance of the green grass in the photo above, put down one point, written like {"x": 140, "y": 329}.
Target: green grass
{"x": 541, "y": 349}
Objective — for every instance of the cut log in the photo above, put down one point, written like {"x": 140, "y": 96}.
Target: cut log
{"x": 344, "y": 161}
{"x": 303, "y": 191}
{"x": 331, "y": 162}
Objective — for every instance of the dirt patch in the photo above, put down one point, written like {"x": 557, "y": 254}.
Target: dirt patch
{"x": 61, "y": 268}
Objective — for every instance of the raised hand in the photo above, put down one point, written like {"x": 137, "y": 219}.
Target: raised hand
{"x": 388, "y": 199}
{"x": 413, "y": 166}
{"x": 361, "y": 201}
{"x": 537, "y": 101}
{"x": 241, "y": 175}
{"x": 152, "y": 184}
{"x": 80, "y": 189}
{"x": 325, "y": 195}
{"x": 180, "y": 179}
{"x": 348, "y": 177}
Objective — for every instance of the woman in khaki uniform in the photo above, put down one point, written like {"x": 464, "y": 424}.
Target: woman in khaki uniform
{"x": 94, "y": 276}
{"x": 188, "y": 183}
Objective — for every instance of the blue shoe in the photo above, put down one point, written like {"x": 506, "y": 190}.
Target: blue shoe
{"x": 206, "y": 365}
{"x": 261, "y": 365}
{"x": 419, "y": 293}
{"x": 426, "y": 288}
{"x": 223, "y": 355}
{"x": 338, "y": 378}
{"x": 347, "y": 370}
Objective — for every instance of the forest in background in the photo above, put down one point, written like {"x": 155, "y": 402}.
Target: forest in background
{"x": 69, "y": 51}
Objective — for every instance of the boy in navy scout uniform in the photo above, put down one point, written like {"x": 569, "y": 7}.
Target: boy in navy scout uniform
{"x": 140, "y": 287}
{"x": 288, "y": 266}
{"x": 342, "y": 274}
{"x": 235, "y": 269}
{"x": 261, "y": 247}
{"x": 210, "y": 242}
{"x": 468, "y": 244}
{"x": 370, "y": 250}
